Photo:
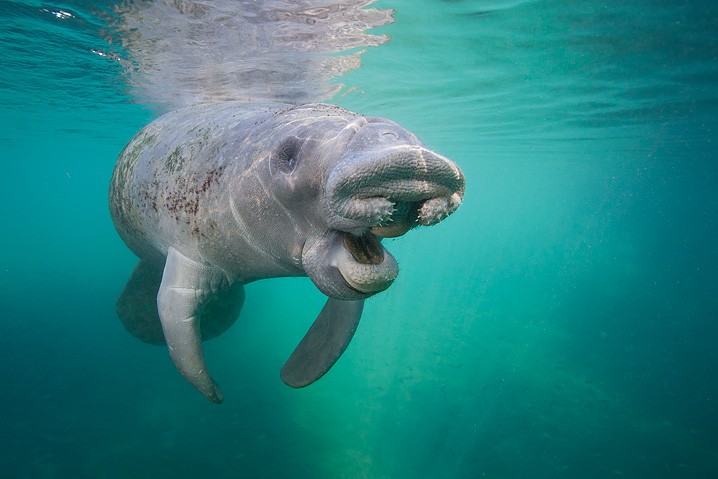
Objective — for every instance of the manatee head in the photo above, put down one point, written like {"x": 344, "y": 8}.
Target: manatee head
{"x": 354, "y": 180}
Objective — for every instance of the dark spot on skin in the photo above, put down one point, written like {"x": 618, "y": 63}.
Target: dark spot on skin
{"x": 181, "y": 198}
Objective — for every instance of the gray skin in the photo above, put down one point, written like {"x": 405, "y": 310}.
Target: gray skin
{"x": 212, "y": 197}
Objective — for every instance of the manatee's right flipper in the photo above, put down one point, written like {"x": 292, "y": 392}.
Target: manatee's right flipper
{"x": 137, "y": 306}
{"x": 188, "y": 289}
{"x": 323, "y": 344}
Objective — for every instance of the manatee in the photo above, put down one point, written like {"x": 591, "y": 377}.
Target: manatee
{"x": 212, "y": 197}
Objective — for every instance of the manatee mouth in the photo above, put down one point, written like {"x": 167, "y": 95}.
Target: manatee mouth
{"x": 365, "y": 249}
{"x": 404, "y": 216}
{"x": 369, "y": 268}
{"x": 363, "y": 264}
{"x": 347, "y": 266}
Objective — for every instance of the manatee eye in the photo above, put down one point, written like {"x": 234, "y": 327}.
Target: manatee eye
{"x": 286, "y": 157}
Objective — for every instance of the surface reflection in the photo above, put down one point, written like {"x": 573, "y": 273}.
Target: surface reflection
{"x": 185, "y": 52}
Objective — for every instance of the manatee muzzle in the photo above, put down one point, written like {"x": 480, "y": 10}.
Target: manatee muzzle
{"x": 390, "y": 190}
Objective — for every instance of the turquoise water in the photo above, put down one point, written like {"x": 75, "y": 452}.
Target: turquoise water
{"x": 561, "y": 324}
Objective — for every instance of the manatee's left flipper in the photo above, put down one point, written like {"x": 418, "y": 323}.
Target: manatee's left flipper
{"x": 325, "y": 341}
{"x": 219, "y": 313}
{"x": 187, "y": 286}
{"x": 137, "y": 305}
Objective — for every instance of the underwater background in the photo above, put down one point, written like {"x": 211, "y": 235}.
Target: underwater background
{"x": 561, "y": 324}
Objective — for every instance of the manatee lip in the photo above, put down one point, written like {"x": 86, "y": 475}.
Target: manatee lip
{"x": 352, "y": 288}
{"x": 392, "y": 189}
{"x": 392, "y": 230}
{"x": 403, "y": 218}
{"x": 365, "y": 246}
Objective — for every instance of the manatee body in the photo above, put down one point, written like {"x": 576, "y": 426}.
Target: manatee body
{"x": 212, "y": 197}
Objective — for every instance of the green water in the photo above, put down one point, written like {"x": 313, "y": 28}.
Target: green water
{"x": 560, "y": 324}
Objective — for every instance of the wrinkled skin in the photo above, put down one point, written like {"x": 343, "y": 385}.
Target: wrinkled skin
{"x": 215, "y": 196}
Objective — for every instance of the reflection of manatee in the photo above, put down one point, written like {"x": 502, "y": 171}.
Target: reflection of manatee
{"x": 213, "y": 197}
{"x": 182, "y": 52}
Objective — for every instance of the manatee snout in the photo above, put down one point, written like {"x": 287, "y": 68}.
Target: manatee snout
{"x": 380, "y": 191}
{"x": 392, "y": 189}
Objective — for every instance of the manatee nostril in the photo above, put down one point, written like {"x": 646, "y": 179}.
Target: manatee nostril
{"x": 390, "y": 135}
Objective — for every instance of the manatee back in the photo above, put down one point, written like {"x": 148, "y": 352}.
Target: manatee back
{"x": 169, "y": 175}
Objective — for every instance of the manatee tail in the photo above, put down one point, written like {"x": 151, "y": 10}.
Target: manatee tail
{"x": 324, "y": 343}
